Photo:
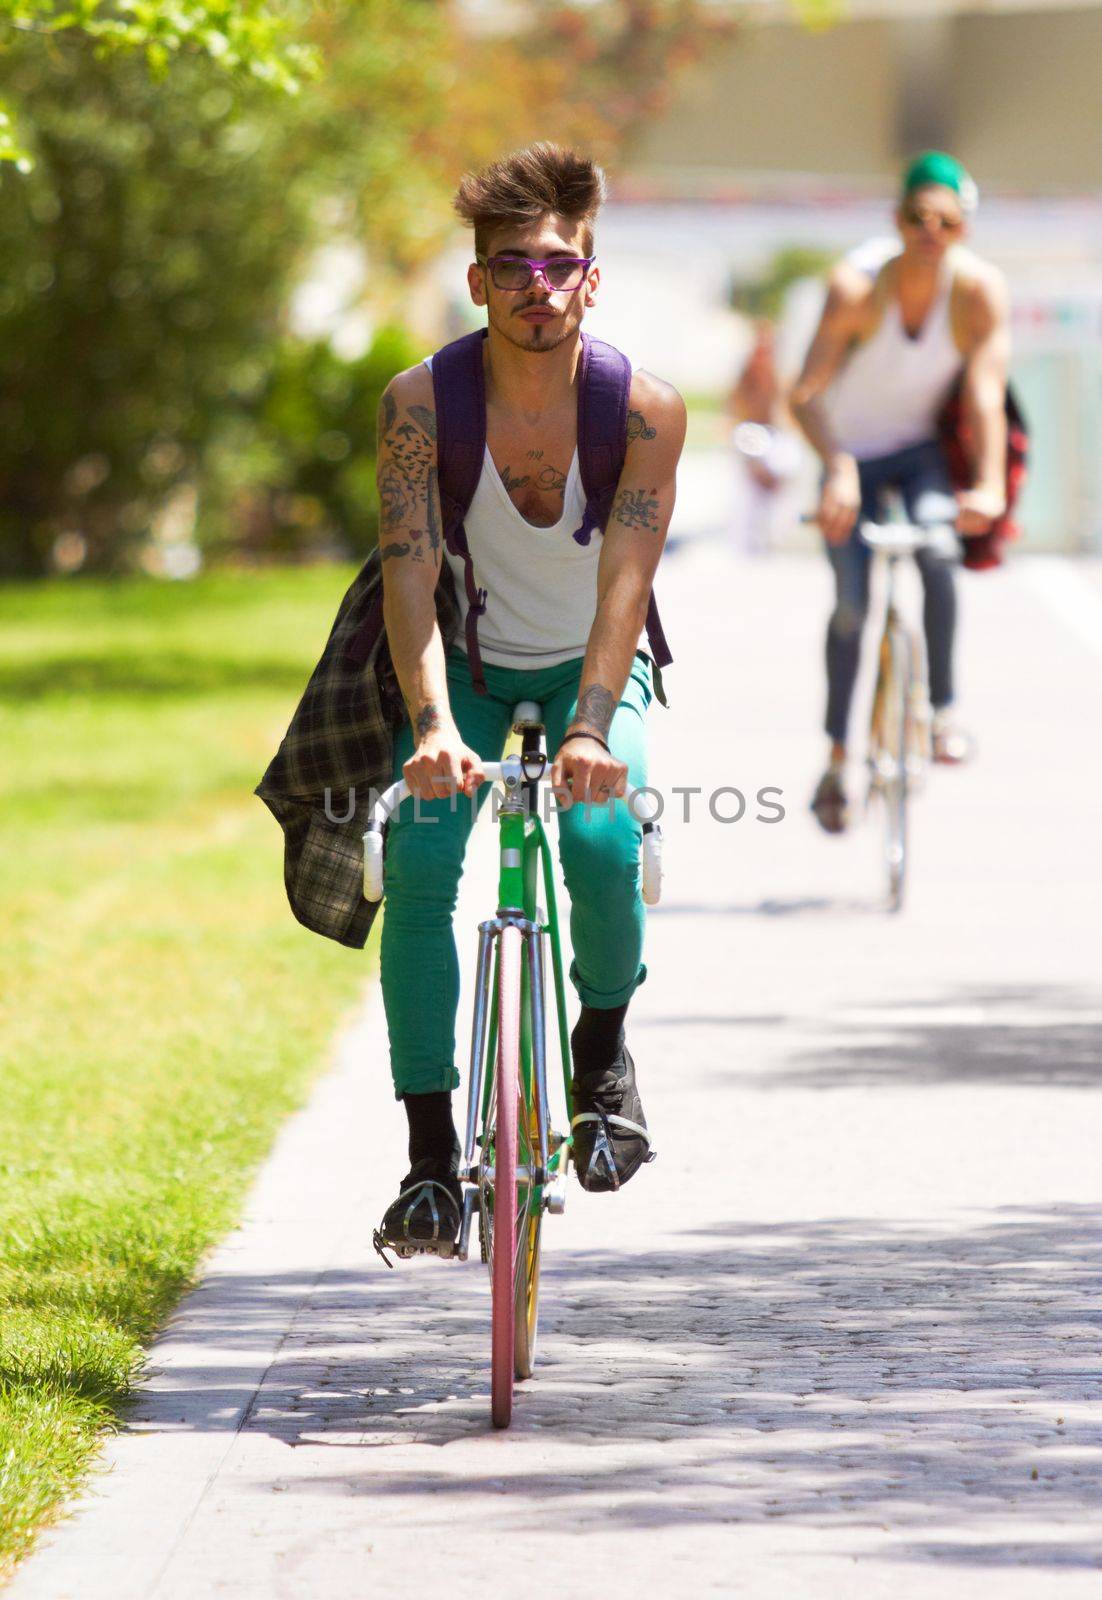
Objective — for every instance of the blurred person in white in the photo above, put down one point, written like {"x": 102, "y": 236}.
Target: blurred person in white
{"x": 905, "y": 321}
{"x": 766, "y": 451}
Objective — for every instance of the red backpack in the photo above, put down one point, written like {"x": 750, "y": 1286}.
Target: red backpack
{"x": 985, "y": 550}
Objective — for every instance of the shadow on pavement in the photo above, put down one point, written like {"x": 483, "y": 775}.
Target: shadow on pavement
{"x": 1018, "y": 1036}
{"x": 845, "y": 1373}
{"x": 1003, "y": 1045}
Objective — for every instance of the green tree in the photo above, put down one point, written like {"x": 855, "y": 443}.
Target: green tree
{"x": 765, "y": 295}
{"x": 148, "y": 257}
{"x": 242, "y": 37}
{"x": 151, "y": 251}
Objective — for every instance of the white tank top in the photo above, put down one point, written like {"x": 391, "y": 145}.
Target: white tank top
{"x": 888, "y": 394}
{"x": 541, "y": 584}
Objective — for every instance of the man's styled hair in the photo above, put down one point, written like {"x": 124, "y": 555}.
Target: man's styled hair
{"x": 525, "y": 186}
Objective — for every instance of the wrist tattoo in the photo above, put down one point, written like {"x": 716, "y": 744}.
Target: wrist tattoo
{"x": 428, "y": 718}
{"x": 595, "y": 708}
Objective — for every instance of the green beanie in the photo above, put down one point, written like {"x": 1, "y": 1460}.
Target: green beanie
{"x": 934, "y": 166}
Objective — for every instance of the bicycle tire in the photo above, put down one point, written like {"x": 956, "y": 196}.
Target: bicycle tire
{"x": 527, "y": 1308}
{"x": 896, "y": 738}
{"x": 503, "y": 1228}
{"x": 528, "y": 1258}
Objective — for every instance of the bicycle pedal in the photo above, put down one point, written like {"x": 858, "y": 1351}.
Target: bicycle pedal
{"x": 443, "y": 1249}
{"x": 381, "y": 1247}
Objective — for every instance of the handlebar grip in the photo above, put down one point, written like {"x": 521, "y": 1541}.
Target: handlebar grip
{"x": 652, "y": 863}
{"x": 373, "y": 865}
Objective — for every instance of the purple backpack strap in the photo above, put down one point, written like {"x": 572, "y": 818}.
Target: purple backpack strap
{"x": 459, "y": 390}
{"x": 604, "y": 388}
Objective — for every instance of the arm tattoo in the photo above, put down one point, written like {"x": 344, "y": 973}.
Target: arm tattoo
{"x": 637, "y": 427}
{"x": 393, "y": 552}
{"x": 388, "y": 414}
{"x": 637, "y": 508}
{"x": 511, "y": 482}
{"x": 395, "y": 496}
{"x": 425, "y": 419}
{"x": 428, "y": 718}
{"x": 411, "y": 456}
{"x": 595, "y": 708}
{"x": 432, "y": 506}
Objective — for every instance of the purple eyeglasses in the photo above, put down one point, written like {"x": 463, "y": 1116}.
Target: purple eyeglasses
{"x": 519, "y": 272}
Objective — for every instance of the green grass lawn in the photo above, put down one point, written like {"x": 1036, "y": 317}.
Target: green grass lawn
{"x": 160, "y": 1010}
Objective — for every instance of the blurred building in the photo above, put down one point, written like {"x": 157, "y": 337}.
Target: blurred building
{"x": 790, "y": 135}
{"x": 1010, "y": 85}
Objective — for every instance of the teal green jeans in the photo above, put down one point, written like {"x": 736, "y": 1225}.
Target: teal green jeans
{"x": 424, "y": 861}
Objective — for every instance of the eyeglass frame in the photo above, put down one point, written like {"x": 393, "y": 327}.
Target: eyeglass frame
{"x": 922, "y": 219}
{"x": 537, "y": 268}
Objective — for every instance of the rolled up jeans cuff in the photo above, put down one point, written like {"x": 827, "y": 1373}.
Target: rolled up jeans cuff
{"x": 604, "y": 999}
{"x": 424, "y": 1080}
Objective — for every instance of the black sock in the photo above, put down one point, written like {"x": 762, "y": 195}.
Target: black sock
{"x": 431, "y": 1129}
{"x": 597, "y": 1037}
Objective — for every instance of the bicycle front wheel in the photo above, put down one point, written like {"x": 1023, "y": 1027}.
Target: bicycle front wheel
{"x": 502, "y": 1200}
{"x": 895, "y": 742}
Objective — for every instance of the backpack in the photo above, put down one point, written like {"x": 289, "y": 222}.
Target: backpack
{"x": 985, "y": 550}
{"x": 338, "y": 751}
{"x": 459, "y": 390}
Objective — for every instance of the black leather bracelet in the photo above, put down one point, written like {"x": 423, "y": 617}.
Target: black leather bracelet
{"x": 581, "y": 734}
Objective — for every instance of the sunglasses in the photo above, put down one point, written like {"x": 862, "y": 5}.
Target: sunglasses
{"x": 516, "y": 273}
{"x": 922, "y": 219}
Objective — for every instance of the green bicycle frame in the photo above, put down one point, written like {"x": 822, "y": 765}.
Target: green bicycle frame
{"x": 525, "y": 858}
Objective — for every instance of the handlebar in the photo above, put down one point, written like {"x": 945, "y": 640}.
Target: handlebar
{"x": 904, "y": 538}
{"x": 642, "y": 804}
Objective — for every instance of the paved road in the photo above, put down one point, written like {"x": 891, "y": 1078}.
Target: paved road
{"x": 840, "y": 1340}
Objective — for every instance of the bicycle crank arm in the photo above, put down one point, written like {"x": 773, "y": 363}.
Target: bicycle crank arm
{"x": 470, "y": 1200}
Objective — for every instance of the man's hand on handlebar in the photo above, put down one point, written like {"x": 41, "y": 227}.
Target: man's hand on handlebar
{"x": 840, "y": 500}
{"x": 584, "y": 771}
{"x": 442, "y": 765}
{"x": 978, "y": 508}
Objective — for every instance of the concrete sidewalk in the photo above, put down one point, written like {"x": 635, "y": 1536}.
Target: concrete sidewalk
{"x": 840, "y": 1340}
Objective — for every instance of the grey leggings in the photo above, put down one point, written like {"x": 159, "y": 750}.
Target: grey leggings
{"x": 919, "y": 475}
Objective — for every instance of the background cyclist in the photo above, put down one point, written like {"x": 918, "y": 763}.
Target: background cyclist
{"x": 903, "y": 321}
{"x": 561, "y": 626}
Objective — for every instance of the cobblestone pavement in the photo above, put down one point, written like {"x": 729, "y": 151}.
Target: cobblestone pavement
{"x": 842, "y": 1339}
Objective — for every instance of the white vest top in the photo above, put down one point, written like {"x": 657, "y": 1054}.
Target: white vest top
{"x": 541, "y": 584}
{"x": 888, "y": 394}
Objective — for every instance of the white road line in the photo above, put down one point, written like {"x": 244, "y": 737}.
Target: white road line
{"x": 1068, "y": 595}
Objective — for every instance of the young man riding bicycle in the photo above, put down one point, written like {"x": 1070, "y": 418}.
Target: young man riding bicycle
{"x": 900, "y": 329}
{"x": 548, "y": 613}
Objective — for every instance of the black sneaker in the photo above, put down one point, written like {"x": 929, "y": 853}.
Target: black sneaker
{"x": 829, "y": 802}
{"x": 426, "y": 1215}
{"x": 611, "y": 1141}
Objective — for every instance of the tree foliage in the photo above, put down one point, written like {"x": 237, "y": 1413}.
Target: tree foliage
{"x": 242, "y": 37}
{"x": 149, "y": 255}
{"x": 175, "y": 201}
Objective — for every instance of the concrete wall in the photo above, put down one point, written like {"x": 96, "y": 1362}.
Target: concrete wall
{"x": 1021, "y": 102}
{"x": 1028, "y": 99}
